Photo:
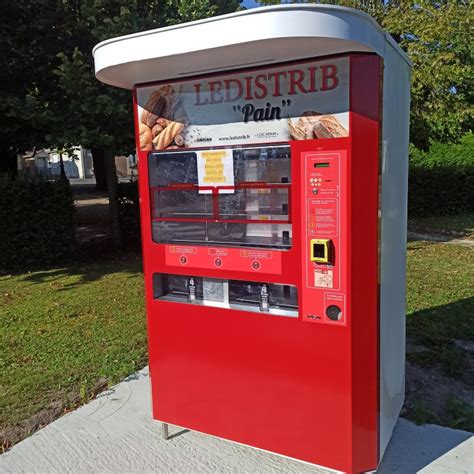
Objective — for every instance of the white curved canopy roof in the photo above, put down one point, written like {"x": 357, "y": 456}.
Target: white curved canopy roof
{"x": 250, "y": 37}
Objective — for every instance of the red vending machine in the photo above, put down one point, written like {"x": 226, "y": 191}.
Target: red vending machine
{"x": 272, "y": 148}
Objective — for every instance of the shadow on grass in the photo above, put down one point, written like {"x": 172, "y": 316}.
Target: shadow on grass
{"x": 457, "y": 239}
{"x": 86, "y": 271}
{"x": 443, "y": 228}
{"x": 440, "y": 365}
{"x": 442, "y": 324}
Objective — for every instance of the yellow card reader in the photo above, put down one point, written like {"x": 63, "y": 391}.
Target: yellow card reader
{"x": 321, "y": 250}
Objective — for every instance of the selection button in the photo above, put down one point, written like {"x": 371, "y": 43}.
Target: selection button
{"x": 256, "y": 265}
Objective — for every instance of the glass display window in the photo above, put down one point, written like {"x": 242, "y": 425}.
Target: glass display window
{"x": 248, "y": 202}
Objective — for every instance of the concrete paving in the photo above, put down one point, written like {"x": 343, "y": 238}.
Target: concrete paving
{"x": 115, "y": 433}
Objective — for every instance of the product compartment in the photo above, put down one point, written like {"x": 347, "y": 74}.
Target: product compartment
{"x": 261, "y": 297}
{"x": 252, "y": 209}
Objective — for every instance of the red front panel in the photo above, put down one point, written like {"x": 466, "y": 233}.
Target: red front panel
{"x": 304, "y": 386}
{"x": 324, "y": 210}
{"x": 218, "y": 258}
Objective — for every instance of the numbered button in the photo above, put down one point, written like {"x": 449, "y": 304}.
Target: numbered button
{"x": 256, "y": 265}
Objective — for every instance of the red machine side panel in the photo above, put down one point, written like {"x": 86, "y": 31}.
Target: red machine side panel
{"x": 363, "y": 256}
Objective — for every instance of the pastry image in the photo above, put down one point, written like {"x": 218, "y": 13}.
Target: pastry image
{"x": 304, "y": 127}
{"x": 314, "y": 125}
{"x": 162, "y": 120}
{"x": 153, "y": 109}
{"x": 327, "y": 126}
{"x": 144, "y": 133}
{"x": 165, "y": 138}
{"x": 307, "y": 122}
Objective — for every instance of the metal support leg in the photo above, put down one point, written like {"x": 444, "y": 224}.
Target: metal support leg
{"x": 165, "y": 431}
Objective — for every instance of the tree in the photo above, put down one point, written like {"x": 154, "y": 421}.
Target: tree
{"x": 437, "y": 37}
{"x": 98, "y": 116}
{"x": 65, "y": 105}
{"x": 28, "y": 52}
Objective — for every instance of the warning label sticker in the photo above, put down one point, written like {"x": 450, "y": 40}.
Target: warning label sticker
{"x": 180, "y": 249}
{"x": 256, "y": 254}
{"x": 326, "y": 217}
{"x": 323, "y": 278}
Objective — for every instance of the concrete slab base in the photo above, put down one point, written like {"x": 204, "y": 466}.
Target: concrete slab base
{"x": 115, "y": 433}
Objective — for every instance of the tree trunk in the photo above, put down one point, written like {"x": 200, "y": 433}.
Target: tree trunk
{"x": 99, "y": 169}
{"x": 112, "y": 186}
{"x": 61, "y": 168}
{"x": 8, "y": 161}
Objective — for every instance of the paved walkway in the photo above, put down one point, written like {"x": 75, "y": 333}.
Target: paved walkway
{"x": 115, "y": 433}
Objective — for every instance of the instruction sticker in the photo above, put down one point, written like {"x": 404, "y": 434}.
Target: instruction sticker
{"x": 215, "y": 168}
{"x": 323, "y": 278}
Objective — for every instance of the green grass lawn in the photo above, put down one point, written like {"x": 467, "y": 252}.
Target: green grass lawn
{"x": 440, "y": 332}
{"x": 440, "y": 292}
{"x": 458, "y": 225}
{"x": 68, "y": 332}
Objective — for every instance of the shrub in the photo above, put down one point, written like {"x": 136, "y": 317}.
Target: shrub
{"x": 461, "y": 414}
{"x": 445, "y": 154}
{"x": 441, "y": 179}
{"x": 36, "y": 221}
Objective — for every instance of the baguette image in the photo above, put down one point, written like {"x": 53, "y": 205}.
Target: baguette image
{"x": 144, "y": 133}
{"x": 164, "y": 139}
{"x": 153, "y": 109}
{"x": 304, "y": 128}
{"x": 328, "y": 126}
{"x": 315, "y": 125}
{"x": 162, "y": 120}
